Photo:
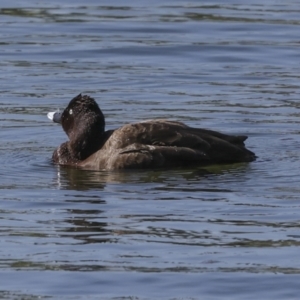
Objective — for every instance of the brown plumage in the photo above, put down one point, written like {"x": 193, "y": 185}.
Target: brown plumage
{"x": 148, "y": 144}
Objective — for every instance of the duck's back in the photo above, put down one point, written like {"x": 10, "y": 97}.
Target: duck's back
{"x": 161, "y": 143}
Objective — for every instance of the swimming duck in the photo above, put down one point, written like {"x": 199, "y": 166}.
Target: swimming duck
{"x": 143, "y": 145}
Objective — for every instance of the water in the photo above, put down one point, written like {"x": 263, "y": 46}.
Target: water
{"x": 229, "y": 232}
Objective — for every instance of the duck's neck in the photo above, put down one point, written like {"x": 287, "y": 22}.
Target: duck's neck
{"x": 85, "y": 145}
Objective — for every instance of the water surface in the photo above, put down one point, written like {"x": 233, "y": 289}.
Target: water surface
{"x": 229, "y": 232}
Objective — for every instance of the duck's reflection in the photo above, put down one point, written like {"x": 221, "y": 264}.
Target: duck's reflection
{"x": 78, "y": 179}
{"x": 87, "y": 231}
{"x": 101, "y": 216}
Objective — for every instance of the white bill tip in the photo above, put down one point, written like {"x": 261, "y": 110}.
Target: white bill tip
{"x": 55, "y": 116}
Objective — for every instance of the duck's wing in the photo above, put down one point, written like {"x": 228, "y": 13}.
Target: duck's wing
{"x": 177, "y": 140}
{"x": 159, "y": 133}
{"x": 200, "y": 132}
{"x": 171, "y": 133}
{"x": 233, "y": 139}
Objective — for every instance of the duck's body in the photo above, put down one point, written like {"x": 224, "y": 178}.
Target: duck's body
{"x": 144, "y": 145}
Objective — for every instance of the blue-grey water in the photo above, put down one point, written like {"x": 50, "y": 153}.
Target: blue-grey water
{"x": 224, "y": 232}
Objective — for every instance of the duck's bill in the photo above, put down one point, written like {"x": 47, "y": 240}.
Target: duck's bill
{"x": 55, "y": 116}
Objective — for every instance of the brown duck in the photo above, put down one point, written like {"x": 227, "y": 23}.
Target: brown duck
{"x": 144, "y": 145}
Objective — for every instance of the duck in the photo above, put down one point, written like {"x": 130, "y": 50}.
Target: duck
{"x": 148, "y": 144}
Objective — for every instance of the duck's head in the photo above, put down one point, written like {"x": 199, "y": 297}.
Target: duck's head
{"x": 84, "y": 123}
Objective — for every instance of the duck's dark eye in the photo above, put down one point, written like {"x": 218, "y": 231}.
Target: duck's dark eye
{"x": 71, "y": 111}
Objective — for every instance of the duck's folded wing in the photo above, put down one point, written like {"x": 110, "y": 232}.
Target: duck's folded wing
{"x": 178, "y": 138}
{"x": 217, "y": 147}
{"x": 164, "y": 133}
{"x": 164, "y": 143}
{"x": 233, "y": 139}
{"x": 168, "y": 133}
